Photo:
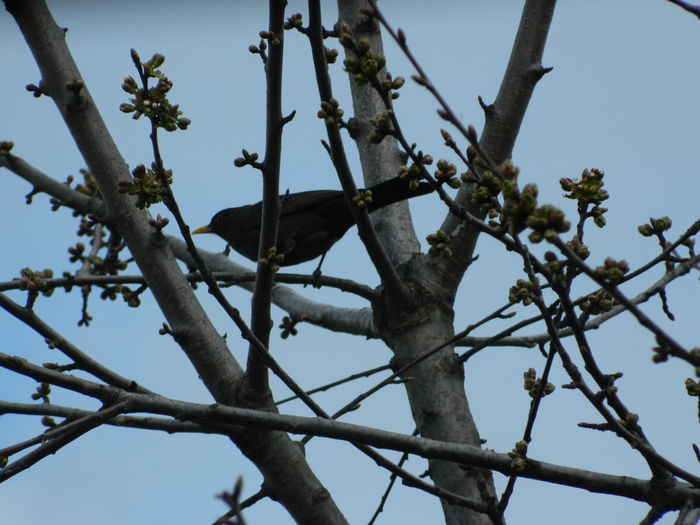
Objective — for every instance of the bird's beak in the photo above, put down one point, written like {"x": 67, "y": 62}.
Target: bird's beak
{"x": 203, "y": 229}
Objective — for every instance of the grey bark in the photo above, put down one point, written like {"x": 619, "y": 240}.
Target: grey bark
{"x": 274, "y": 453}
{"x": 435, "y": 387}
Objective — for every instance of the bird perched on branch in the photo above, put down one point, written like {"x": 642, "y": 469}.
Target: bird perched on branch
{"x": 310, "y": 221}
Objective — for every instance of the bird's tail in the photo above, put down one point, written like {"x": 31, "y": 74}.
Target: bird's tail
{"x": 395, "y": 190}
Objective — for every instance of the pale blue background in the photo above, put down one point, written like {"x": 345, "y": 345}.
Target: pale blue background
{"x": 622, "y": 97}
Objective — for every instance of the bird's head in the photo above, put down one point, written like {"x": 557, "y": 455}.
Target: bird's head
{"x": 219, "y": 223}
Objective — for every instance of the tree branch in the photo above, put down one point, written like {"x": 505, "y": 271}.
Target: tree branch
{"x": 55, "y": 439}
{"x": 171, "y": 426}
{"x": 42, "y": 182}
{"x": 387, "y": 273}
{"x": 80, "y": 358}
{"x": 676, "y": 494}
{"x": 261, "y": 323}
{"x": 393, "y": 224}
{"x": 192, "y": 329}
{"x": 687, "y": 6}
{"x": 203, "y": 345}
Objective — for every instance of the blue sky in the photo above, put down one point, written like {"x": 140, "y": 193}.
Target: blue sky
{"x": 622, "y": 97}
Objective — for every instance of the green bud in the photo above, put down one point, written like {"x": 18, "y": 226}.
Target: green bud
{"x": 521, "y": 447}
{"x": 518, "y": 465}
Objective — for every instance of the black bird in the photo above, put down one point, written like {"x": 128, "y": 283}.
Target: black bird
{"x": 310, "y": 221}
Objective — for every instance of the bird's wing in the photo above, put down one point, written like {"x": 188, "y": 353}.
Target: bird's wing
{"x": 308, "y": 200}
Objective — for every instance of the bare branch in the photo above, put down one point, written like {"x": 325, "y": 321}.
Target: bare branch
{"x": 671, "y": 346}
{"x": 687, "y": 6}
{"x": 80, "y": 358}
{"x": 55, "y": 439}
{"x": 171, "y": 426}
{"x": 380, "y": 259}
{"x": 261, "y": 323}
{"x": 676, "y": 495}
{"x": 501, "y": 338}
{"x": 42, "y": 182}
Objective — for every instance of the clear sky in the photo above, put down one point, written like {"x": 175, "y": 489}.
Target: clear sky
{"x": 622, "y": 97}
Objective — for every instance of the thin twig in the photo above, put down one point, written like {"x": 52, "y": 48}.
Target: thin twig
{"x": 80, "y": 358}
{"x": 55, "y": 439}
{"x": 339, "y": 382}
{"x": 687, "y": 6}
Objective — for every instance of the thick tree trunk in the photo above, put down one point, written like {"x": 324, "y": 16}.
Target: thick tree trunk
{"x": 436, "y": 393}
